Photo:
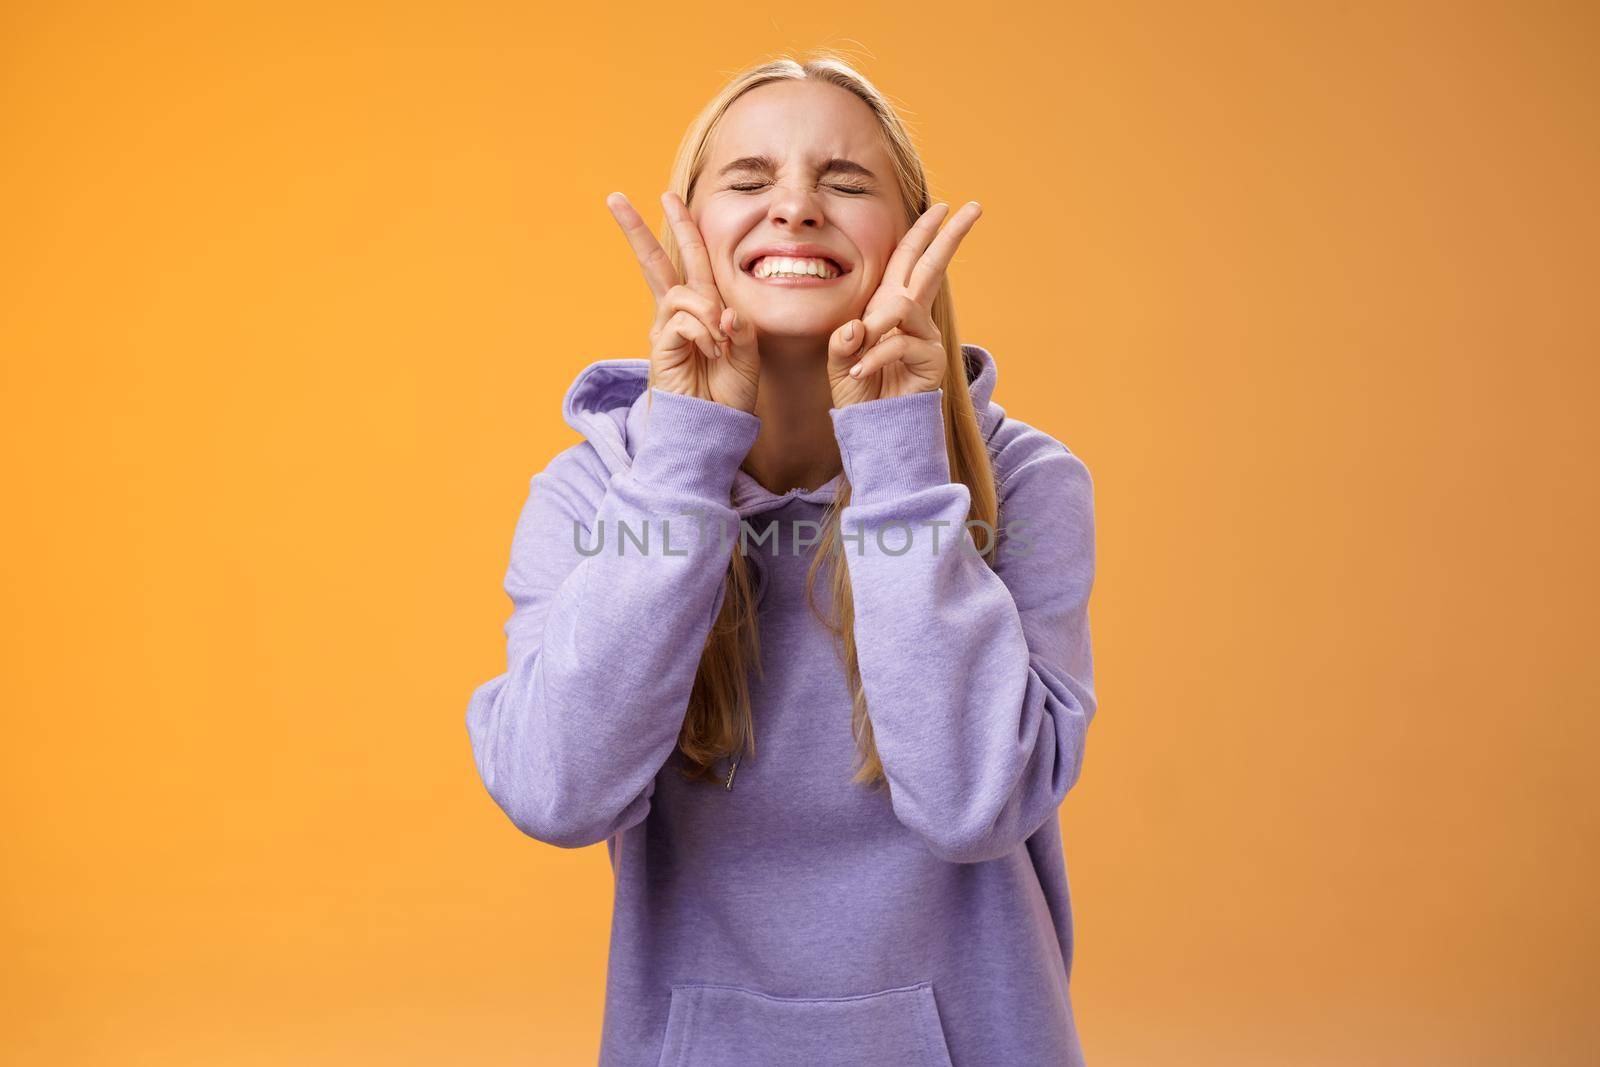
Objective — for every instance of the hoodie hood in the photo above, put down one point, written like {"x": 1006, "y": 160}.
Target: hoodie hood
{"x": 607, "y": 403}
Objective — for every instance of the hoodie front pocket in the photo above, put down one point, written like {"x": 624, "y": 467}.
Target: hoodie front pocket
{"x": 724, "y": 1026}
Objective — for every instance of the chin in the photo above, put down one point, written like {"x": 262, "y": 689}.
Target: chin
{"x": 797, "y": 322}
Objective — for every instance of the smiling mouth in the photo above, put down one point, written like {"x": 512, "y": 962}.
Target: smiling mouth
{"x": 795, "y": 270}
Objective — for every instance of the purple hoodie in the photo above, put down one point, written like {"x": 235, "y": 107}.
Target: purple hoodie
{"x": 790, "y": 916}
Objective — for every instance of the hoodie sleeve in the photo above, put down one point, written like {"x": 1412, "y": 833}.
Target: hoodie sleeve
{"x": 606, "y": 636}
{"x": 979, "y": 680}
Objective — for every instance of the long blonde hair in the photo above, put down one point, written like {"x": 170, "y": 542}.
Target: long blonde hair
{"x": 719, "y": 722}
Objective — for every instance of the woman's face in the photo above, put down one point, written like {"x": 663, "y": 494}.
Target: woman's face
{"x": 798, "y": 163}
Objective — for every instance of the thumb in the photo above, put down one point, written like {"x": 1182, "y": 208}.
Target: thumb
{"x": 844, "y": 346}
{"x": 741, "y": 334}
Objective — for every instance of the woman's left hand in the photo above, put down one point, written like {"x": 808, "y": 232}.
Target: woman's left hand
{"x": 895, "y": 349}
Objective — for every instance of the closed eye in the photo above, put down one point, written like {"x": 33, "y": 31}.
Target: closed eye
{"x": 750, "y": 187}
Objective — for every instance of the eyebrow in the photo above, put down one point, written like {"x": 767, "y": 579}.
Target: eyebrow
{"x": 768, "y": 165}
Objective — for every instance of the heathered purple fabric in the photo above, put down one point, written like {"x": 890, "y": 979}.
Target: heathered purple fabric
{"x": 798, "y": 918}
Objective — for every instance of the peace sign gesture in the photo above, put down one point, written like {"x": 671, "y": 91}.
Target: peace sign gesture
{"x": 698, "y": 346}
{"x": 895, "y": 349}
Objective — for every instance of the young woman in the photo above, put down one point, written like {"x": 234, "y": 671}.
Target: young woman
{"x": 880, "y": 880}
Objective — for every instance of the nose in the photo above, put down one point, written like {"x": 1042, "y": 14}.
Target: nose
{"x": 794, "y": 205}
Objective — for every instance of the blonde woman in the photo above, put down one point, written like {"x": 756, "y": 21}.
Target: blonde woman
{"x": 801, "y": 626}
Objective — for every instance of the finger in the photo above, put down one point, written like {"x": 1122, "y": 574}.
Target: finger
{"x": 686, "y": 326}
{"x": 929, "y": 272}
{"x": 918, "y": 322}
{"x": 892, "y": 350}
{"x": 692, "y": 248}
{"x": 892, "y": 313}
{"x": 683, "y": 298}
{"x": 845, "y": 344}
{"x": 741, "y": 333}
{"x": 912, "y": 245}
{"x": 659, "y": 272}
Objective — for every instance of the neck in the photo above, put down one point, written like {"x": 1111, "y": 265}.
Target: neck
{"x": 796, "y": 447}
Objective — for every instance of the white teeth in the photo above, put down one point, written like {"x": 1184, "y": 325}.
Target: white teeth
{"x": 779, "y": 266}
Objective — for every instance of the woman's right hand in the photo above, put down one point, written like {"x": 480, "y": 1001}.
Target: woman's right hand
{"x": 698, "y": 345}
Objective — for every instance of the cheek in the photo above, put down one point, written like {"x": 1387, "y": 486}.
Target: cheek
{"x": 870, "y": 280}
{"x": 875, "y": 233}
{"x": 721, "y": 230}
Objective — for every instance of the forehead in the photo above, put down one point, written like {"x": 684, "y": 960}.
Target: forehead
{"x": 799, "y": 122}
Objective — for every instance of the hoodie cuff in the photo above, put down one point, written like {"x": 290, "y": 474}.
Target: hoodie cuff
{"x": 893, "y": 446}
{"x": 692, "y": 445}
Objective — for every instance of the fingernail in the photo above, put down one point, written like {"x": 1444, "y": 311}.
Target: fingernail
{"x": 850, "y": 331}
{"x": 733, "y": 320}
{"x": 855, "y": 372}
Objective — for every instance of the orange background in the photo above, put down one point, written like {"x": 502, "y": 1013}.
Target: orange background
{"x": 292, "y": 294}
